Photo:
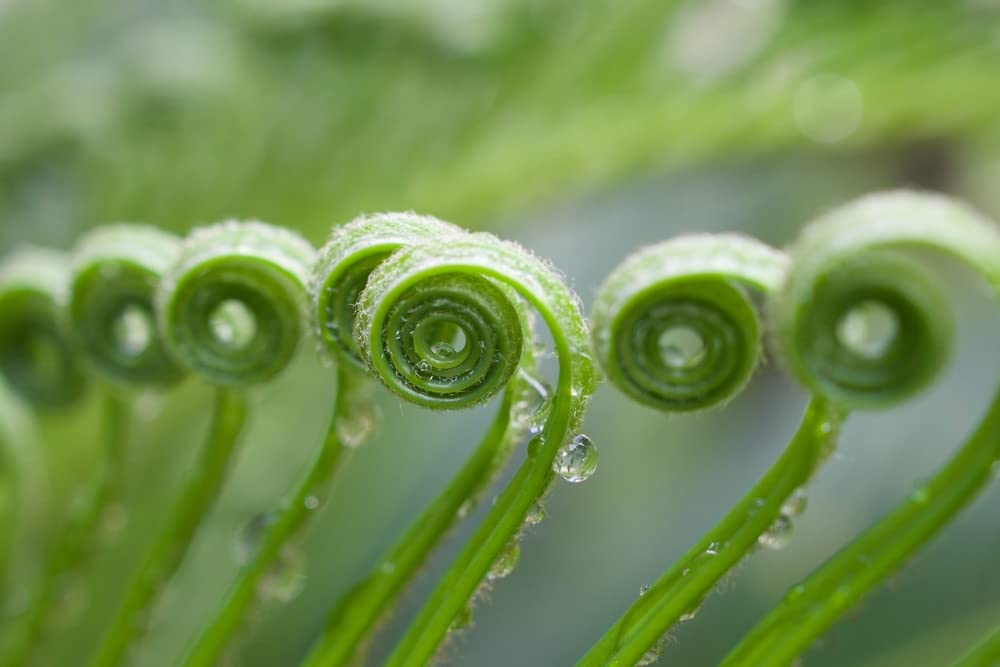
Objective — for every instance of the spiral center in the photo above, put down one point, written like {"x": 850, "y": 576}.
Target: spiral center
{"x": 233, "y": 324}
{"x": 868, "y": 329}
{"x": 681, "y": 346}
{"x": 133, "y": 330}
{"x": 441, "y": 343}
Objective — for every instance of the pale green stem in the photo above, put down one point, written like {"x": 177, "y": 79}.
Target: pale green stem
{"x": 167, "y": 552}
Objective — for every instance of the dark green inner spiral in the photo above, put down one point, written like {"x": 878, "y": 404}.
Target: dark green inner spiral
{"x": 111, "y": 308}
{"x": 876, "y": 330}
{"x": 36, "y": 358}
{"x": 449, "y": 341}
{"x": 336, "y": 301}
{"x": 235, "y": 320}
{"x": 684, "y": 346}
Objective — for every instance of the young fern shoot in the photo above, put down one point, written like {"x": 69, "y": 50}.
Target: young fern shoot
{"x": 473, "y": 279}
{"x": 39, "y": 360}
{"x": 845, "y": 266}
{"x": 674, "y": 328}
{"x": 338, "y": 276}
{"x": 448, "y": 336}
{"x": 230, "y": 310}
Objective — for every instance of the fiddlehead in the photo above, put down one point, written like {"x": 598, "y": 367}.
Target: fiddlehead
{"x": 846, "y": 261}
{"x": 675, "y": 329}
{"x": 37, "y": 357}
{"x": 422, "y": 343}
{"x": 338, "y": 277}
{"x": 115, "y": 273}
{"x": 231, "y": 310}
{"x": 350, "y": 256}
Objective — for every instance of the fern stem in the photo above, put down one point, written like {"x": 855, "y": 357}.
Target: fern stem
{"x": 846, "y": 258}
{"x": 356, "y": 616}
{"x": 80, "y": 533}
{"x": 682, "y": 588}
{"x": 814, "y": 605}
{"x": 165, "y": 556}
{"x": 986, "y": 654}
{"x": 311, "y": 494}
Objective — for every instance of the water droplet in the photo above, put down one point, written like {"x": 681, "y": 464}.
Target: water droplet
{"x": 249, "y": 536}
{"x": 796, "y": 503}
{"x": 357, "y": 426}
{"x": 691, "y": 613}
{"x": 713, "y": 549}
{"x": 464, "y": 509}
{"x": 778, "y": 535}
{"x": 387, "y": 567}
{"x": 535, "y": 515}
{"x": 506, "y": 561}
{"x": 651, "y": 655}
{"x": 443, "y": 350}
{"x": 920, "y": 496}
{"x": 311, "y": 502}
{"x": 463, "y": 621}
{"x": 576, "y": 461}
{"x": 287, "y": 578}
{"x": 644, "y": 589}
{"x": 795, "y": 592}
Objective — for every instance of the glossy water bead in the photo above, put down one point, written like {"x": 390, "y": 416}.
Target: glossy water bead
{"x": 576, "y": 461}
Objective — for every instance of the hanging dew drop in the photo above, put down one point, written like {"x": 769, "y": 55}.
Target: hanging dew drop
{"x": 506, "y": 562}
{"x": 535, "y": 515}
{"x": 357, "y": 427}
{"x": 576, "y": 461}
{"x": 796, "y": 503}
{"x": 463, "y": 621}
{"x": 249, "y": 536}
{"x": 311, "y": 502}
{"x": 779, "y": 535}
{"x": 651, "y": 655}
{"x": 287, "y": 578}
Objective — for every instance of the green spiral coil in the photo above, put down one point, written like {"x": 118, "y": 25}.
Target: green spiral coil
{"x": 37, "y": 355}
{"x": 876, "y": 332}
{"x": 232, "y": 308}
{"x": 673, "y": 325}
{"x": 115, "y": 273}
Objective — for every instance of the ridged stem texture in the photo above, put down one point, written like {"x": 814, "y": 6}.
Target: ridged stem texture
{"x": 409, "y": 316}
{"x": 877, "y": 331}
{"x": 674, "y": 328}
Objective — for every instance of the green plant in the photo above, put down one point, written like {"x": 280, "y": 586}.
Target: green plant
{"x": 674, "y": 329}
{"x": 443, "y": 318}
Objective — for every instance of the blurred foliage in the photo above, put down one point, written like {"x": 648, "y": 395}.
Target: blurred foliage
{"x": 307, "y": 112}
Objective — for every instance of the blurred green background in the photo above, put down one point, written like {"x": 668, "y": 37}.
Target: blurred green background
{"x": 583, "y": 129}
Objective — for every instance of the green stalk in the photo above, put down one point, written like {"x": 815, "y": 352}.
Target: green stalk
{"x": 986, "y": 654}
{"x": 313, "y": 492}
{"x": 847, "y": 260}
{"x": 682, "y": 588}
{"x": 813, "y": 606}
{"x": 355, "y": 618}
{"x": 165, "y": 556}
{"x": 79, "y": 535}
